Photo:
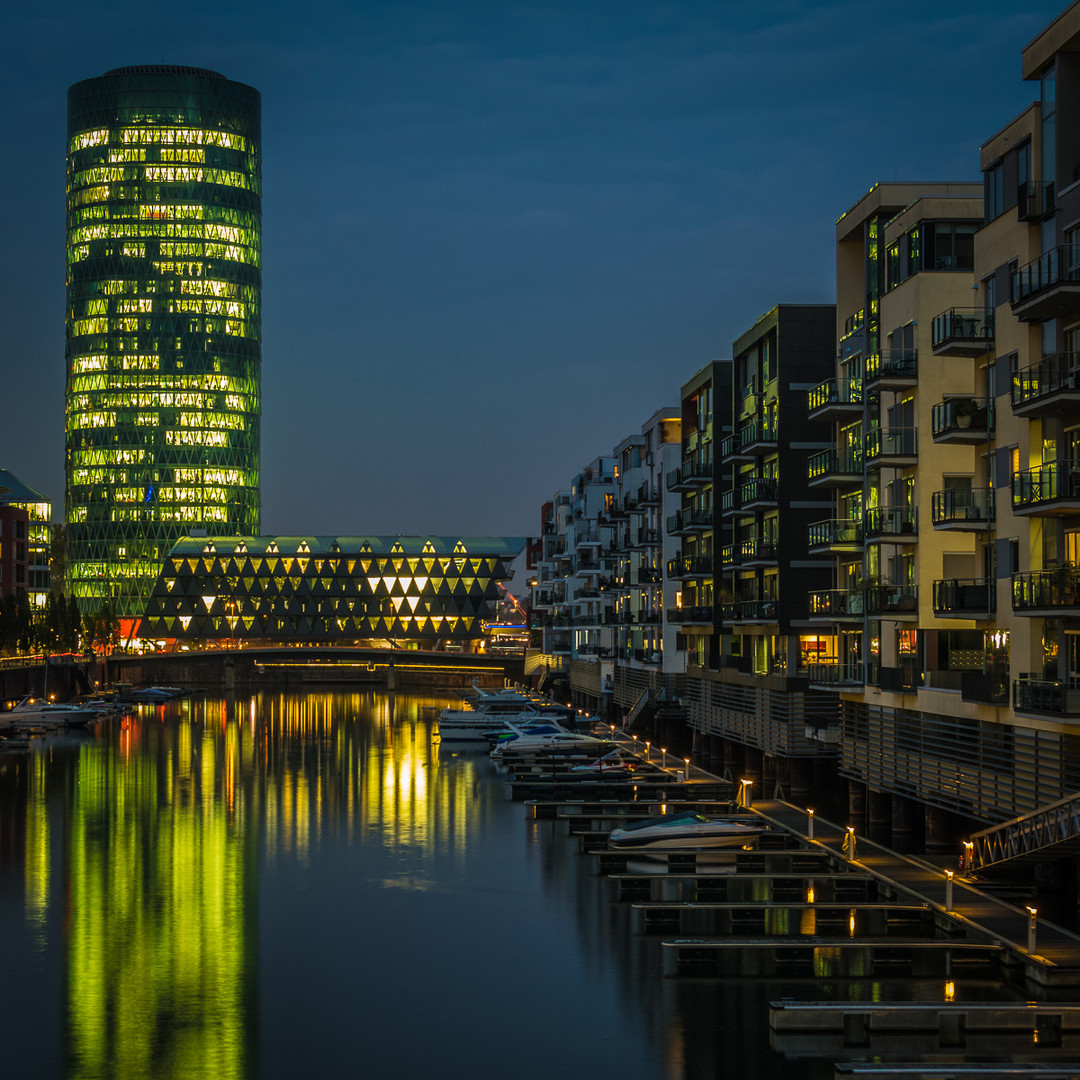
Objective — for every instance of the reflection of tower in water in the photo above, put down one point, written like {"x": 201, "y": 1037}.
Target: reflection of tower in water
{"x": 161, "y": 917}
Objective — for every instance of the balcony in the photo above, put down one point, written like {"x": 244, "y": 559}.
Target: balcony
{"x": 894, "y": 447}
{"x": 894, "y": 369}
{"x": 963, "y": 420}
{"x": 757, "y": 436}
{"x": 835, "y": 535}
{"x": 729, "y": 556}
{"x": 675, "y": 482}
{"x": 1048, "y": 287}
{"x": 758, "y": 551}
{"x": 895, "y": 524}
{"x": 1034, "y": 693}
{"x": 694, "y": 520}
{"x": 750, "y": 611}
{"x": 690, "y": 566}
{"x": 697, "y": 471}
{"x": 892, "y": 601}
{"x": 835, "y": 399}
{"x": 1035, "y": 200}
{"x": 825, "y": 676}
{"x": 963, "y": 511}
{"x": 729, "y": 502}
{"x": 1052, "y": 489}
{"x": 1049, "y": 388}
{"x": 758, "y": 492}
{"x": 693, "y": 616}
{"x": 836, "y": 605}
{"x": 962, "y": 332}
{"x": 984, "y": 689}
{"x": 964, "y": 599}
{"x": 833, "y": 468}
{"x": 647, "y": 496}
{"x": 1047, "y": 593}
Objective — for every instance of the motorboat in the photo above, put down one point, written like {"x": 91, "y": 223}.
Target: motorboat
{"x": 497, "y": 710}
{"x": 685, "y": 830}
{"x": 524, "y": 741}
{"x": 49, "y": 714}
{"x": 617, "y": 763}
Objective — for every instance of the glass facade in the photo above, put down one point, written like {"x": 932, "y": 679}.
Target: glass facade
{"x": 163, "y": 322}
{"x": 327, "y": 589}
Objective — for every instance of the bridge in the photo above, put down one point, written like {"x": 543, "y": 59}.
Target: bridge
{"x": 282, "y": 667}
{"x": 1051, "y": 832}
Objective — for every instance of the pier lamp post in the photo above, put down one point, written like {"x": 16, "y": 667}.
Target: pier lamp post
{"x": 663, "y": 757}
{"x": 948, "y": 890}
{"x": 969, "y": 856}
{"x": 743, "y": 798}
{"x": 648, "y": 748}
{"x": 809, "y": 824}
{"x": 1032, "y": 921}
{"x": 849, "y": 843}
{"x": 686, "y": 770}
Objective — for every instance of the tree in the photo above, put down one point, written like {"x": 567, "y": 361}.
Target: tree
{"x": 8, "y": 625}
{"x": 24, "y": 623}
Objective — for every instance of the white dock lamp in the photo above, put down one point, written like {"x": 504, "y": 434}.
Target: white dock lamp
{"x": 1033, "y": 914}
{"x": 948, "y": 890}
{"x": 809, "y": 824}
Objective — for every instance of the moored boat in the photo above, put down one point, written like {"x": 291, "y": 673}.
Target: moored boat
{"x": 685, "y": 830}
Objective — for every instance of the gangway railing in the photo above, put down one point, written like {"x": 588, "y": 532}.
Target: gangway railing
{"x": 639, "y": 706}
{"x": 1032, "y": 835}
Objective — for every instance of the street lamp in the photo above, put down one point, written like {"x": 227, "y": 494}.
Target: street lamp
{"x": 809, "y": 824}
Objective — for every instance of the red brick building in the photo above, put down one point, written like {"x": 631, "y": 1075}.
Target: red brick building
{"x": 14, "y": 549}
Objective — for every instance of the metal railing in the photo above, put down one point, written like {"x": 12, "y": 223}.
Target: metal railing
{"x": 1057, "y": 266}
{"x": 892, "y": 364}
{"x": 835, "y": 392}
{"x": 891, "y": 442}
{"x": 1049, "y": 376}
{"x": 962, "y": 414}
{"x": 1046, "y": 483}
{"x": 1029, "y": 835}
{"x": 834, "y": 531}
{"x": 955, "y": 596}
{"x": 836, "y": 604}
{"x": 951, "y": 506}
{"x": 962, "y": 324}
{"x": 890, "y": 521}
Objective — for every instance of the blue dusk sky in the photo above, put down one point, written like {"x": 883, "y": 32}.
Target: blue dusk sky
{"x": 498, "y": 236}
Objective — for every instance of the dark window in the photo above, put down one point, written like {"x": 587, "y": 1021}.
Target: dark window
{"x": 994, "y": 183}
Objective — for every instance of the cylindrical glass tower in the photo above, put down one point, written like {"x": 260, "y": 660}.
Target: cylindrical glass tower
{"x": 164, "y": 216}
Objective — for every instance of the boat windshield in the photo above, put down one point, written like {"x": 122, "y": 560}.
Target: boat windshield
{"x": 667, "y": 821}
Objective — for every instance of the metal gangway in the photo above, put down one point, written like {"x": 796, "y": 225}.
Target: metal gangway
{"x": 1050, "y": 832}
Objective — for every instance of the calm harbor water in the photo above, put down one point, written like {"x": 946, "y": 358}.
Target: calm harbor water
{"x": 307, "y": 885}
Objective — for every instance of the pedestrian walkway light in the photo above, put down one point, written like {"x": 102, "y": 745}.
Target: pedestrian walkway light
{"x": 1032, "y": 921}
{"x": 849, "y": 843}
{"x": 809, "y": 824}
{"x": 648, "y": 748}
{"x": 968, "y": 858}
{"x": 686, "y": 770}
{"x": 743, "y": 798}
{"x": 948, "y": 890}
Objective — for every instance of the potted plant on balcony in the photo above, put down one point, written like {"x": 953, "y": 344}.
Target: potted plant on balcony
{"x": 965, "y": 410}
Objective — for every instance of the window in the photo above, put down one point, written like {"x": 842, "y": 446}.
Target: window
{"x": 1023, "y": 164}
{"x": 950, "y": 245}
{"x": 994, "y": 191}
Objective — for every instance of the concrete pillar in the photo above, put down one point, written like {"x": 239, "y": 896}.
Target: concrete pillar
{"x": 939, "y": 833}
{"x": 879, "y": 817}
{"x": 907, "y": 832}
{"x": 856, "y": 806}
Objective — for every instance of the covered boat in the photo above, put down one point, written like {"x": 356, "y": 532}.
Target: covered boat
{"x": 686, "y": 830}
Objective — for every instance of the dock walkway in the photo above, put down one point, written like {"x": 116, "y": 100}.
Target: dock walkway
{"x": 1055, "y": 960}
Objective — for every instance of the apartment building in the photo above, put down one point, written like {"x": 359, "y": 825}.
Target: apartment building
{"x": 754, "y": 698}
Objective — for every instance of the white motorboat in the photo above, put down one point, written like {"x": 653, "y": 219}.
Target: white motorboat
{"x": 495, "y": 711}
{"x": 48, "y": 714}
{"x": 685, "y": 830}
{"x": 617, "y": 763}
{"x": 522, "y": 741}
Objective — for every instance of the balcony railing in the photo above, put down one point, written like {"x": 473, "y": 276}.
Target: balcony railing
{"x": 1035, "y": 200}
{"x": 834, "y": 675}
{"x": 756, "y": 550}
{"x": 895, "y": 367}
{"x": 842, "y": 395}
{"x": 974, "y": 597}
{"x": 756, "y": 610}
{"x": 896, "y": 521}
{"x": 699, "y": 614}
{"x": 756, "y": 433}
{"x": 694, "y": 520}
{"x": 1048, "y": 286}
{"x": 1054, "y": 590}
{"x": 836, "y": 532}
{"x": 1045, "y": 386}
{"x": 760, "y": 489}
{"x": 965, "y": 510}
{"x": 834, "y": 466}
{"x": 962, "y": 331}
{"x": 836, "y": 604}
{"x": 690, "y": 566}
{"x": 897, "y": 444}
{"x": 1047, "y": 487}
{"x": 962, "y": 419}
{"x": 1034, "y": 693}
{"x": 892, "y": 600}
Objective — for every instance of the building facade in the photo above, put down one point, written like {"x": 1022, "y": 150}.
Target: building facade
{"x": 163, "y": 324}
{"x": 38, "y": 578}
